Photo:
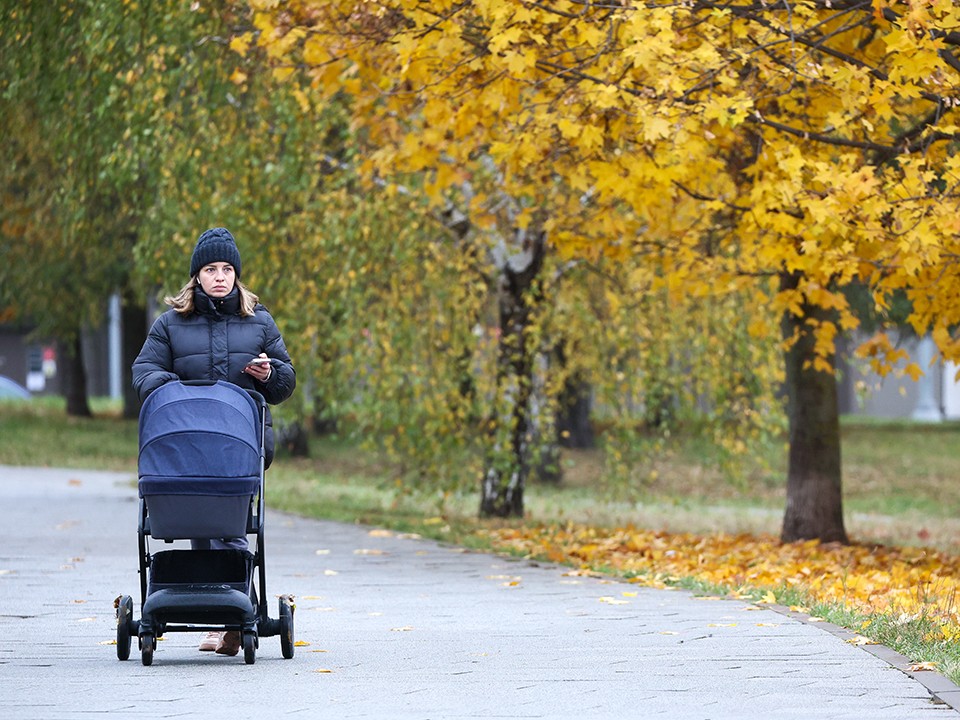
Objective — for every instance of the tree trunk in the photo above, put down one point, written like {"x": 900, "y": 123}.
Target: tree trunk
{"x": 573, "y": 416}
{"x": 133, "y": 322}
{"x": 543, "y": 435}
{"x": 509, "y": 456}
{"x": 74, "y": 378}
{"x": 814, "y": 507}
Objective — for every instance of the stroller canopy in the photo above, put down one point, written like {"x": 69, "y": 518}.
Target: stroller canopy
{"x": 202, "y": 439}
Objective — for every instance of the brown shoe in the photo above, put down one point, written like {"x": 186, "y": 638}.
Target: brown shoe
{"x": 210, "y": 641}
{"x": 229, "y": 643}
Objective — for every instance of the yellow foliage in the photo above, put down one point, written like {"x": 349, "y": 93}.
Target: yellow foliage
{"x": 682, "y": 137}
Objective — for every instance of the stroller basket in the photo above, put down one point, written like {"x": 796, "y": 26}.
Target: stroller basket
{"x": 178, "y": 569}
{"x": 200, "y": 460}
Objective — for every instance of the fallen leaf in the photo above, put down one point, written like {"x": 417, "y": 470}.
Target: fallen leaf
{"x": 330, "y": 572}
{"x": 924, "y": 666}
{"x": 301, "y": 643}
{"x": 629, "y": 594}
{"x": 405, "y": 628}
{"x": 668, "y": 632}
{"x": 322, "y": 552}
{"x": 74, "y": 482}
{"x": 369, "y": 551}
{"x": 313, "y": 597}
{"x": 815, "y": 619}
{"x": 322, "y": 670}
{"x": 768, "y": 624}
{"x": 722, "y": 625}
{"x": 613, "y": 601}
{"x": 87, "y": 619}
{"x": 582, "y": 573}
{"x": 107, "y": 642}
{"x": 377, "y": 532}
{"x": 768, "y": 598}
{"x": 799, "y": 609}
{"x": 861, "y": 640}
{"x": 315, "y": 650}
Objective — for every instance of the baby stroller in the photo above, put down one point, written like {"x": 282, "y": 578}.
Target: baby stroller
{"x": 201, "y": 469}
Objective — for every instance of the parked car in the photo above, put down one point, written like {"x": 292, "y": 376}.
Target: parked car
{"x": 10, "y": 388}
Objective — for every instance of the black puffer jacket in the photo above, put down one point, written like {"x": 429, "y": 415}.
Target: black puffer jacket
{"x": 215, "y": 342}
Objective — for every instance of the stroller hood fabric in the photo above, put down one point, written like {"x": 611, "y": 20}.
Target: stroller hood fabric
{"x": 200, "y": 440}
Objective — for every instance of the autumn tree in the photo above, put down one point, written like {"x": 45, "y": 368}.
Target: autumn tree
{"x": 786, "y": 148}
{"x": 81, "y": 86}
{"x": 67, "y": 239}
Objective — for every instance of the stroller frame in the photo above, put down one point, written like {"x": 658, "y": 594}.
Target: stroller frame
{"x": 204, "y": 590}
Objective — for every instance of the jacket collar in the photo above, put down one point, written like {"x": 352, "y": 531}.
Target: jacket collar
{"x": 206, "y": 305}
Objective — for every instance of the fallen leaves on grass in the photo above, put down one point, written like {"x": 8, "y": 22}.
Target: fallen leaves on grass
{"x": 868, "y": 579}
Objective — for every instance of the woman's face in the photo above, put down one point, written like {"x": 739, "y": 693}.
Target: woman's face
{"x": 217, "y": 279}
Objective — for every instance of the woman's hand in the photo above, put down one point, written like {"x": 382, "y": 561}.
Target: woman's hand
{"x": 259, "y": 368}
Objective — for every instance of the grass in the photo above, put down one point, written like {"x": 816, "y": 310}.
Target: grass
{"x": 899, "y": 480}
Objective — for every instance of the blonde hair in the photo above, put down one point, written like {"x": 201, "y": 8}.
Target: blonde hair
{"x": 182, "y": 302}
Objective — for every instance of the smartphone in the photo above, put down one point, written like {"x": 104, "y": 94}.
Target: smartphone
{"x": 258, "y": 361}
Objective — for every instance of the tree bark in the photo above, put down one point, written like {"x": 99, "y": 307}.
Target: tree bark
{"x": 74, "y": 378}
{"x": 573, "y": 415}
{"x": 133, "y": 321}
{"x": 508, "y": 464}
{"x": 814, "y": 508}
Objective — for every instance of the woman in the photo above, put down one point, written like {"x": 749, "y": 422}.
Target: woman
{"x": 213, "y": 331}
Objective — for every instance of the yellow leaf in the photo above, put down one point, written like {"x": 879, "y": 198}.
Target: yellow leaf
{"x": 241, "y": 43}
{"x": 914, "y": 371}
{"x": 282, "y": 74}
{"x": 315, "y": 51}
{"x": 301, "y": 643}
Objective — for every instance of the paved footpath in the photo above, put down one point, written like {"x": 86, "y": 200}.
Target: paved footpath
{"x": 396, "y": 627}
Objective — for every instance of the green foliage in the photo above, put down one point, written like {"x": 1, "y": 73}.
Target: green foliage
{"x": 69, "y": 206}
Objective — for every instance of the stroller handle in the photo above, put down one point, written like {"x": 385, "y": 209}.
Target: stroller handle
{"x": 258, "y": 398}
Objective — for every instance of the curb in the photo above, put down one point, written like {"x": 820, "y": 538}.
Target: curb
{"x": 942, "y": 690}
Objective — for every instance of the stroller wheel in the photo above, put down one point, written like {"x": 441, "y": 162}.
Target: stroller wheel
{"x": 249, "y": 648}
{"x": 124, "y": 613}
{"x": 286, "y": 628}
{"x": 146, "y": 648}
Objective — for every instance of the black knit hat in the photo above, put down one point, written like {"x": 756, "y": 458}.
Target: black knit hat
{"x": 215, "y": 245}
